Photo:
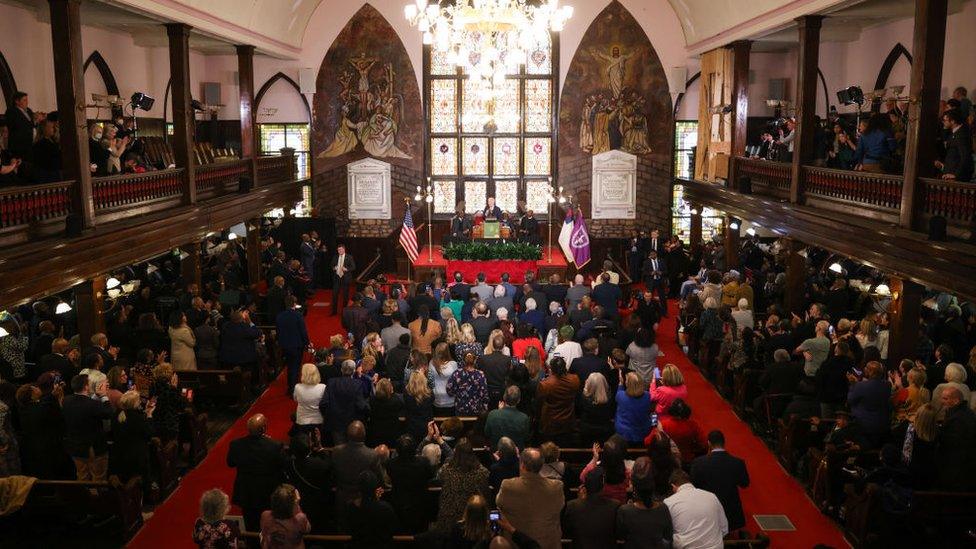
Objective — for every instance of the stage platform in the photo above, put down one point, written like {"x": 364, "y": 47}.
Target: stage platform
{"x": 435, "y": 262}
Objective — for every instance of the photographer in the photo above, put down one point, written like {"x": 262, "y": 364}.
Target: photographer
{"x": 787, "y": 133}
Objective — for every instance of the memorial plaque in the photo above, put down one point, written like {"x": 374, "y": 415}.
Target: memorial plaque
{"x": 369, "y": 189}
{"x": 614, "y": 185}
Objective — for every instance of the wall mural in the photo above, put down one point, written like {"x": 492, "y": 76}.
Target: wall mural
{"x": 367, "y": 101}
{"x": 614, "y": 87}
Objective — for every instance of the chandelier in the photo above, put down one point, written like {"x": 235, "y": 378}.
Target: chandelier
{"x": 487, "y": 39}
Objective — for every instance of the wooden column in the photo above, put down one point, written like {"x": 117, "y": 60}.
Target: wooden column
{"x": 925, "y": 88}
{"x": 796, "y": 273}
{"x": 183, "y": 118}
{"x": 806, "y": 100}
{"x": 69, "y": 80}
{"x": 731, "y": 242}
{"x": 253, "y": 250}
{"x": 740, "y": 104}
{"x": 190, "y": 265}
{"x": 695, "y": 235}
{"x": 904, "y": 313}
{"x": 245, "y": 80}
{"x": 89, "y": 301}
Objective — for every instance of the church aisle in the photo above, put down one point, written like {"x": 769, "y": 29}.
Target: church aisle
{"x": 772, "y": 491}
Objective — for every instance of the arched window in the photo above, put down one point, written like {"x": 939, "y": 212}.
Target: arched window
{"x": 469, "y": 161}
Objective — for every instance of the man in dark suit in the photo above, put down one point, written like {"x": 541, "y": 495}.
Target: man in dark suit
{"x": 238, "y": 344}
{"x": 495, "y": 366}
{"x": 958, "y": 164}
{"x": 648, "y": 310}
{"x": 84, "y": 436}
{"x": 555, "y": 290}
{"x": 481, "y": 323}
{"x": 722, "y": 474}
{"x": 460, "y": 227}
{"x": 292, "y": 338}
{"x": 21, "y": 122}
{"x": 274, "y": 302}
{"x": 56, "y": 361}
{"x": 349, "y": 460}
{"x": 956, "y": 443}
{"x": 355, "y": 318}
{"x": 101, "y": 347}
{"x": 492, "y": 211}
{"x": 259, "y": 461}
{"x": 343, "y": 266}
{"x": 591, "y": 362}
{"x": 343, "y": 403}
{"x": 460, "y": 290}
{"x": 607, "y": 295}
{"x": 655, "y": 275}
{"x": 529, "y": 228}
{"x": 307, "y": 252}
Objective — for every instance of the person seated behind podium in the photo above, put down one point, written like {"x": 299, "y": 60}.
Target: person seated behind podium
{"x": 460, "y": 226}
{"x": 528, "y": 230}
{"x": 492, "y": 211}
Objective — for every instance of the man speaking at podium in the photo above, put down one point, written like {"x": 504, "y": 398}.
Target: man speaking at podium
{"x": 492, "y": 211}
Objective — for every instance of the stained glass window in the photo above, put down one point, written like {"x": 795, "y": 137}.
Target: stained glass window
{"x": 445, "y": 194}
{"x": 506, "y": 155}
{"x": 475, "y": 156}
{"x": 475, "y": 196}
{"x": 540, "y": 60}
{"x": 538, "y": 159}
{"x": 274, "y": 137}
{"x": 443, "y": 100}
{"x": 506, "y": 194}
{"x": 443, "y": 156}
{"x": 537, "y": 195}
{"x": 538, "y": 105}
{"x": 509, "y": 159}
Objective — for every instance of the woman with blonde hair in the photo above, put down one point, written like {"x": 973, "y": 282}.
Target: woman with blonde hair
{"x": 867, "y": 334}
{"x": 490, "y": 348}
{"x": 595, "y": 410}
{"x": 467, "y": 343}
{"x": 129, "y": 454}
{"x": 441, "y": 368}
{"x": 418, "y": 404}
{"x": 667, "y": 388}
{"x": 452, "y": 332}
{"x": 308, "y": 395}
{"x": 385, "y": 407}
{"x": 373, "y": 347}
{"x": 918, "y": 450}
{"x": 906, "y": 400}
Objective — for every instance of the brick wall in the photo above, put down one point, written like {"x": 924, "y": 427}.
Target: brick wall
{"x": 331, "y": 198}
{"x": 653, "y": 196}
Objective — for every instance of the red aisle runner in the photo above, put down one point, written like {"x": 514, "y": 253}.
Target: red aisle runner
{"x": 772, "y": 490}
{"x": 171, "y": 525}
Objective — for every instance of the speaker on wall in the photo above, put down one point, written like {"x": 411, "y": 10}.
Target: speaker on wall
{"x": 211, "y": 93}
{"x": 677, "y": 79}
{"x": 777, "y": 88}
{"x": 306, "y": 80}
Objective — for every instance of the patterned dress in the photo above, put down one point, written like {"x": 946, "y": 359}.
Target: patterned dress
{"x": 215, "y": 535}
{"x": 457, "y": 487}
{"x": 470, "y": 392}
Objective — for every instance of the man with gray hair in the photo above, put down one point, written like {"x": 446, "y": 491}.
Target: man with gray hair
{"x": 481, "y": 323}
{"x": 506, "y": 464}
{"x": 99, "y": 345}
{"x": 500, "y": 300}
{"x": 577, "y": 289}
{"x": 533, "y": 503}
{"x": 779, "y": 378}
{"x": 816, "y": 349}
{"x": 343, "y": 403}
{"x": 508, "y": 421}
{"x": 957, "y": 443}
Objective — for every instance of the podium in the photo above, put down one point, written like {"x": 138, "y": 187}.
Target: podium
{"x": 492, "y": 229}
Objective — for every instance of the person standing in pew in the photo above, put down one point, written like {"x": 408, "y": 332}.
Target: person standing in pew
{"x": 343, "y": 266}
{"x": 259, "y": 461}
{"x": 292, "y": 338}
{"x": 84, "y": 435}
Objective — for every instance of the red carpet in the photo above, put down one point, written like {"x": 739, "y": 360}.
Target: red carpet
{"x": 772, "y": 490}
{"x": 171, "y": 525}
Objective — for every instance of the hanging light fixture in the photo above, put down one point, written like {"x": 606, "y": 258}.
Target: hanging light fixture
{"x": 883, "y": 290}
{"x": 488, "y": 39}
{"x": 62, "y": 308}
{"x": 836, "y": 267}
{"x": 112, "y": 283}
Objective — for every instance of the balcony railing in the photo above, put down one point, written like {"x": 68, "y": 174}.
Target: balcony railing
{"x": 871, "y": 189}
{"x": 126, "y": 190}
{"x": 221, "y": 177}
{"x": 272, "y": 169}
{"x": 952, "y": 200}
{"x": 34, "y": 203}
{"x": 768, "y": 177}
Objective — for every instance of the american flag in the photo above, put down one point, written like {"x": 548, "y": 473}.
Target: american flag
{"x": 408, "y": 237}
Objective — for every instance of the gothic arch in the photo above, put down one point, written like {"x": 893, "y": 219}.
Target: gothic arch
{"x": 111, "y": 87}
{"x": 7, "y": 83}
{"x": 288, "y": 80}
{"x": 889, "y": 63}
{"x": 677, "y": 101}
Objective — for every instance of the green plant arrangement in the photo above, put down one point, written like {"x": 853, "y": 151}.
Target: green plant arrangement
{"x": 483, "y": 251}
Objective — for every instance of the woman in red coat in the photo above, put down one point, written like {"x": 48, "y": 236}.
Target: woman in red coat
{"x": 687, "y": 435}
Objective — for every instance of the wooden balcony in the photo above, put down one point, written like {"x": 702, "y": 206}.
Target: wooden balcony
{"x": 137, "y": 217}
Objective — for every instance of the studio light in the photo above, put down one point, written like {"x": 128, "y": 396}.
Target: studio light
{"x": 112, "y": 283}
{"x": 836, "y": 267}
{"x": 142, "y": 101}
{"x": 852, "y": 95}
{"x": 62, "y": 308}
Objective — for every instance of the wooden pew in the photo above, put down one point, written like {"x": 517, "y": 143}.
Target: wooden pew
{"x": 55, "y": 501}
{"x": 217, "y": 385}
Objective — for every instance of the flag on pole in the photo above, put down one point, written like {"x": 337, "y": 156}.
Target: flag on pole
{"x": 580, "y": 242}
{"x": 566, "y": 234}
{"x": 408, "y": 237}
